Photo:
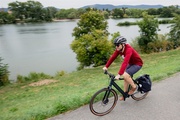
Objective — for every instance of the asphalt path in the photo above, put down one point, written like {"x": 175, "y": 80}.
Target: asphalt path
{"x": 162, "y": 103}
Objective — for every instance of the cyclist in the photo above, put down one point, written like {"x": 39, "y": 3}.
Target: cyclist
{"x": 131, "y": 64}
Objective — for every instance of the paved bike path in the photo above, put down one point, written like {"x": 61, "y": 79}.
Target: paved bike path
{"x": 162, "y": 103}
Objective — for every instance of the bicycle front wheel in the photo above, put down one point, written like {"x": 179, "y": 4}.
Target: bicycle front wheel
{"x": 103, "y": 101}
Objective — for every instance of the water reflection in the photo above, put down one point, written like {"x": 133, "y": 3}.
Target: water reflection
{"x": 33, "y": 31}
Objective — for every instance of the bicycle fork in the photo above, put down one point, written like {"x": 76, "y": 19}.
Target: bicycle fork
{"x": 106, "y": 96}
{"x": 107, "y": 93}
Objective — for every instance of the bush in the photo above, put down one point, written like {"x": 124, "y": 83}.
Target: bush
{"x": 160, "y": 44}
{"x": 4, "y": 73}
{"x": 165, "y": 21}
{"x": 126, "y": 23}
{"x": 135, "y": 45}
{"x": 148, "y": 31}
{"x": 174, "y": 34}
{"x": 32, "y": 76}
{"x": 60, "y": 74}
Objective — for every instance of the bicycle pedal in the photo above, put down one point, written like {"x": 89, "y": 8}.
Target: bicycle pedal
{"x": 126, "y": 95}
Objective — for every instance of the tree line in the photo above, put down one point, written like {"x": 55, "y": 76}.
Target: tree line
{"x": 34, "y": 11}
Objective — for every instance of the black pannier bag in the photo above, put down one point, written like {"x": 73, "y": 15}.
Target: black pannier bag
{"x": 144, "y": 82}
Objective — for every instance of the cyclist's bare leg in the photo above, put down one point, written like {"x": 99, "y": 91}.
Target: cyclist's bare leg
{"x": 125, "y": 89}
{"x": 125, "y": 86}
{"x": 129, "y": 80}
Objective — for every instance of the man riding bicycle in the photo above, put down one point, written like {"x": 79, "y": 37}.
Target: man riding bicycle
{"x": 131, "y": 64}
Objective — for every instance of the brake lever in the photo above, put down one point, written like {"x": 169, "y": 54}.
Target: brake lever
{"x": 106, "y": 72}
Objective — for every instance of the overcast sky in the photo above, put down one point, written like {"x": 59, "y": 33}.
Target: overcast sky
{"x": 80, "y": 3}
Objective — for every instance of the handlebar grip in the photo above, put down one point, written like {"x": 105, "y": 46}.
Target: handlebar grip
{"x": 105, "y": 72}
{"x": 121, "y": 78}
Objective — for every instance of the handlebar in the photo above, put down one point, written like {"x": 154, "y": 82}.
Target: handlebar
{"x": 111, "y": 75}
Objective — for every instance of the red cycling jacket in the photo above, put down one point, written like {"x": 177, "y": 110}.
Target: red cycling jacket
{"x": 130, "y": 56}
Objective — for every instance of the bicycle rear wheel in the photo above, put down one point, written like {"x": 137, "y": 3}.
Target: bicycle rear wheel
{"x": 138, "y": 95}
{"x": 103, "y": 101}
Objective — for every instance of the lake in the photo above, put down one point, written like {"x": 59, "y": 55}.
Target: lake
{"x": 45, "y": 47}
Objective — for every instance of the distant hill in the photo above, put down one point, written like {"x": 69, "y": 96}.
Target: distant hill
{"x": 4, "y": 9}
{"x": 110, "y": 7}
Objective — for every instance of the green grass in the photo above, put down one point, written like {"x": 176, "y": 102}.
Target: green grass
{"x": 23, "y": 102}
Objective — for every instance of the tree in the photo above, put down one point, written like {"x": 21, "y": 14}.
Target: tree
{"x": 80, "y": 11}
{"x": 52, "y": 11}
{"x": 68, "y": 13}
{"x": 88, "y": 22}
{"x": 30, "y": 10}
{"x": 175, "y": 31}
{"x": 18, "y": 9}
{"x": 148, "y": 31}
{"x": 152, "y": 11}
{"x": 117, "y": 13}
{"x": 136, "y": 13}
{"x": 47, "y": 15}
{"x": 166, "y": 12}
{"x": 124, "y": 10}
{"x": 106, "y": 14}
{"x": 91, "y": 43}
{"x": 6, "y": 18}
{"x": 62, "y": 14}
{"x": 72, "y": 13}
{"x": 35, "y": 10}
{"x": 92, "y": 49}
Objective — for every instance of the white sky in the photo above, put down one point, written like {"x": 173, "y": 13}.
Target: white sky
{"x": 80, "y": 3}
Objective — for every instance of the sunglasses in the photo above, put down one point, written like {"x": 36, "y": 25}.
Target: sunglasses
{"x": 117, "y": 45}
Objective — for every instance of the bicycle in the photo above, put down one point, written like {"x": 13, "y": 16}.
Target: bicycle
{"x": 104, "y": 100}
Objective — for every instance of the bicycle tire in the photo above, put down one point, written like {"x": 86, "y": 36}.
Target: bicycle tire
{"x": 97, "y": 104}
{"x": 138, "y": 95}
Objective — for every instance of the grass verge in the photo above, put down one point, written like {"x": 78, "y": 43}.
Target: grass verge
{"x": 24, "y": 102}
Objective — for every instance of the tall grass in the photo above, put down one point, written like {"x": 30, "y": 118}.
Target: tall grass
{"x": 22, "y": 102}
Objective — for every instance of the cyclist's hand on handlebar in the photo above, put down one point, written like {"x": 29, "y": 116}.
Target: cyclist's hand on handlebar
{"x": 117, "y": 77}
{"x": 105, "y": 68}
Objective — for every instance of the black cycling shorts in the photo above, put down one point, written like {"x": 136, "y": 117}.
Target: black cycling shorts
{"x": 132, "y": 69}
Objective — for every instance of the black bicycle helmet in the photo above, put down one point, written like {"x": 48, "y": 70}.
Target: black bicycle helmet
{"x": 120, "y": 40}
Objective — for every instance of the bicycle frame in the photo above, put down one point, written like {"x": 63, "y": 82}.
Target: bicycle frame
{"x": 113, "y": 83}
